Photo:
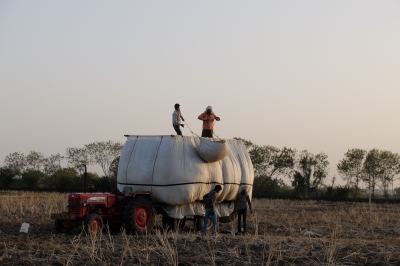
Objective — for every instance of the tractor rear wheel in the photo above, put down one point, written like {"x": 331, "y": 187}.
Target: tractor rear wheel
{"x": 94, "y": 223}
{"x": 139, "y": 215}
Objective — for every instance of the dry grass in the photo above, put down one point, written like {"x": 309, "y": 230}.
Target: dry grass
{"x": 339, "y": 234}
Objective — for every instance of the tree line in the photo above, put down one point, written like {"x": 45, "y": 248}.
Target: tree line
{"x": 306, "y": 171}
{"x": 35, "y": 171}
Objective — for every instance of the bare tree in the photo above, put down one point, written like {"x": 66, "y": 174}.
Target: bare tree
{"x": 371, "y": 169}
{"x": 350, "y": 167}
{"x": 310, "y": 172}
{"x": 270, "y": 161}
{"x": 16, "y": 161}
{"x": 76, "y": 157}
{"x": 52, "y": 164}
{"x": 389, "y": 163}
{"x": 104, "y": 153}
{"x": 35, "y": 160}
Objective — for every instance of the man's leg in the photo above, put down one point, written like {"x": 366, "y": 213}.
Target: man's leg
{"x": 214, "y": 222}
{"x": 177, "y": 130}
{"x": 240, "y": 214}
{"x": 206, "y": 133}
{"x": 244, "y": 220}
{"x": 204, "y": 230}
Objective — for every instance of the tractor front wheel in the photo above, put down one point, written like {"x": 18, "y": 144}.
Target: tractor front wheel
{"x": 139, "y": 215}
{"x": 94, "y": 223}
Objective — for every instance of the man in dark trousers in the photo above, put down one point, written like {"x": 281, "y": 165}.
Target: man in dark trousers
{"x": 176, "y": 119}
{"x": 242, "y": 200}
{"x": 210, "y": 211}
{"x": 208, "y": 118}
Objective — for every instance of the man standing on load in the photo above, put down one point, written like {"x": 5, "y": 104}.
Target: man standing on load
{"x": 208, "y": 118}
{"x": 176, "y": 119}
{"x": 210, "y": 212}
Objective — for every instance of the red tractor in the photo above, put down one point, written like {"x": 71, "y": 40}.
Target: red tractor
{"x": 136, "y": 211}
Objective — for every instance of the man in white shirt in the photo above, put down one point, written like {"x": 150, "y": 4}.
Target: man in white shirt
{"x": 176, "y": 119}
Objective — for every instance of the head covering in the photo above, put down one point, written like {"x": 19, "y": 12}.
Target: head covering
{"x": 177, "y": 104}
{"x": 209, "y": 108}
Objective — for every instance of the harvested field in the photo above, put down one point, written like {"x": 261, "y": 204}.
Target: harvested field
{"x": 337, "y": 234}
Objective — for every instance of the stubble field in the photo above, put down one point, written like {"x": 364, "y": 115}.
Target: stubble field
{"x": 281, "y": 232}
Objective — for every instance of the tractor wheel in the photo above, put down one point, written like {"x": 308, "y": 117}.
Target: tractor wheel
{"x": 199, "y": 223}
{"x": 60, "y": 228}
{"x": 94, "y": 224}
{"x": 139, "y": 215}
{"x": 228, "y": 219}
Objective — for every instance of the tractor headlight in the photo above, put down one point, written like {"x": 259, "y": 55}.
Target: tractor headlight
{"x": 85, "y": 204}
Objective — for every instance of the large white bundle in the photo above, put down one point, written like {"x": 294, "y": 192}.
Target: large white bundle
{"x": 212, "y": 151}
{"x": 170, "y": 168}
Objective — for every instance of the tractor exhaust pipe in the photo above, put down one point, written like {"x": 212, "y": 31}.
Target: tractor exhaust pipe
{"x": 85, "y": 179}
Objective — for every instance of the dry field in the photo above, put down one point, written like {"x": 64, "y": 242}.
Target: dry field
{"x": 342, "y": 234}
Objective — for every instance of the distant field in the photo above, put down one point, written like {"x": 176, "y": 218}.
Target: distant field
{"x": 339, "y": 234}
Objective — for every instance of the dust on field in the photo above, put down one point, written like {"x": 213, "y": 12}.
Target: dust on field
{"x": 281, "y": 232}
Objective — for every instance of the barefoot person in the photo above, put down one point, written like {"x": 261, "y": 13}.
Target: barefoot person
{"x": 210, "y": 212}
{"x": 208, "y": 118}
{"x": 242, "y": 200}
{"x": 176, "y": 119}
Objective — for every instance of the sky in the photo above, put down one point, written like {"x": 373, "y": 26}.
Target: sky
{"x": 317, "y": 75}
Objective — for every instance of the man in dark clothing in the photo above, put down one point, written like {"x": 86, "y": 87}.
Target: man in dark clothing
{"x": 176, "y": 119}
{"x": 242, "y": 200}
{"x": 210, "y": 212}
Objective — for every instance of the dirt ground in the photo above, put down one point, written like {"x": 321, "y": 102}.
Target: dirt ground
{"x": 281, "y": 232}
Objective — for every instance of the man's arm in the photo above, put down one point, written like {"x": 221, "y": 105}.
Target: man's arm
{"x": 217, "y": 117}
{"x": 236, "y": 202}
{"x": 181, "y": 116}
{"x": 203, "y": 117}
{"x": 249, "y": 202}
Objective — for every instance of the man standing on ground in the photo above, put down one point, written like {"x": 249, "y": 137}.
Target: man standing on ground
{"x": 210, "y": 212}
{"x": 208, "y": 118}
{"x": 242, "y": 200}
{"x": 176, "y": 119}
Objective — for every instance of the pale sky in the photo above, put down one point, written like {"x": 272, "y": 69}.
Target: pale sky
{"x": 315, "y": 75}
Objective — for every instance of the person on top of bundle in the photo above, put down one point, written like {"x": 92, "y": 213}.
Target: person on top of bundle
{"x": 176, "y": 119}
{"x": 208, "y": 118}
{"x": 242, "y": 200}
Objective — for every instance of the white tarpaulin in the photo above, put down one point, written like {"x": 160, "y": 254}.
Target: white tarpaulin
{"x": 197, "y": 208}
{"x": 212, "y": 150}
{"x": 171, "y": 169}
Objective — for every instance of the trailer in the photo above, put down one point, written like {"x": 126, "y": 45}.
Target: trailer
{"x": 164, "y": 175}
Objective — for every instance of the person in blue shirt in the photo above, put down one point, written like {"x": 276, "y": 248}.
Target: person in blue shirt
{"x": 210, "y": 211}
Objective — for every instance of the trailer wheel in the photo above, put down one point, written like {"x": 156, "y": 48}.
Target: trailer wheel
{"x": 199, "y": 223}
{"x": 139, "y": 215}
{"x": 60, "y": 228}
{"x": 94, "y": 223}
{"x": 172, "y": 223}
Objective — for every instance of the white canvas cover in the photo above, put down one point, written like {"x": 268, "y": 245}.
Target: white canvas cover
{"x": 212, "y": 151}
{"x": 171, "y": 169}
{"x": 197, "y": 208}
